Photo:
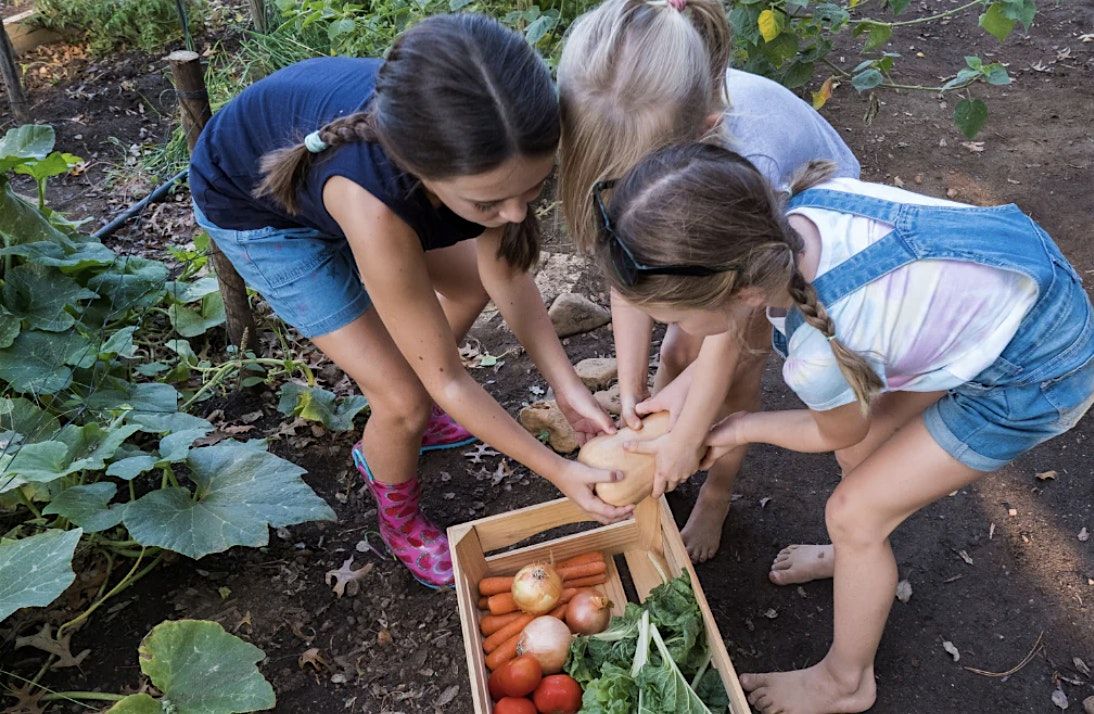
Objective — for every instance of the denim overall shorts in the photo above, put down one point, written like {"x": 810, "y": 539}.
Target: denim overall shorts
{"x": 1042, "y": 383}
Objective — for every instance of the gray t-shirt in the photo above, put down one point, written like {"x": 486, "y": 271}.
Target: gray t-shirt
{"x": 778, "y": 132}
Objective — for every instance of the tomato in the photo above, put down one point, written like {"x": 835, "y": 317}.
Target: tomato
{"x": 558, "y": 694}
{"x": 515, "y": 705}
{"x": 516, "y": 678}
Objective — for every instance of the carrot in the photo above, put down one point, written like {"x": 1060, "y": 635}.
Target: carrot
{"x": 495, "y": 585}
{"x": 587, "y": 582}
{"x": 501, "y": 604}
{"x": 560, "y": 611}
{"x": 484, "y": 603}
{"x": 492, "y": 623}
{"x": 584, "y": 570}
{"x": 504, "y": 652}
{"x": 593, "y": 557}
{"x": 499, "y": 638}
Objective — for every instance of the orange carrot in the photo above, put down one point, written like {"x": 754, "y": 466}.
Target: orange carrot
{"x": 499, "y": 638}
{"x": 484, "y": 603}
{"x": 594, "y": 557}
{"x": 504, "y": 652}
{"x": 587, "y": 582}
{"x": 492, "y": 623}
{"x": 501, "y": 604}
{"x": 584, "y": 570}
{"x": 495, "y": 585}
{"x": 560, "y": 611}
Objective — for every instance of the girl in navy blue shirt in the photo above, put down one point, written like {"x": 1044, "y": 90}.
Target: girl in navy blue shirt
{"x": 411, "y": 175}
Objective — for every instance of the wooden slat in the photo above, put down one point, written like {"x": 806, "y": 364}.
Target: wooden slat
{"x": 614, "y": 588}
{"x": 675, "y": 550}
{"x": 608, "y": 540}
{"x": 468, "y": 567}
{"x": 505, "y": 529}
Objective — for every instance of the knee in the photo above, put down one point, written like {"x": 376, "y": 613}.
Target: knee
{"x": 676, "y": 354}
{"x": 849, "y": 521}
{"x": 848, "y": 460}
{"x": 405, "y": 410}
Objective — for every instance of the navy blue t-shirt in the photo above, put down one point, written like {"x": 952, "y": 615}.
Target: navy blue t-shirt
{"x": 278, "y": 111}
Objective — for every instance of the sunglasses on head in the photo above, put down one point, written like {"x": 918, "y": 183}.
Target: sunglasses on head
{"x": 628, "y": 268}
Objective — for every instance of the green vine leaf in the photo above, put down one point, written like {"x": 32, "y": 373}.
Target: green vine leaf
{"x": 970, "y": 115}
{"x": 42, "y": 462}
{"x": 321, "y": 405}
{"x": 996, "y": 23}
{"x": 189, "y": 322}
{"x": 34, "y": 571}
{"x": 241, "y": 492}
{"x": 40, "y": 295}
{"x": 137, "y": 704}
{"x": 25, "y": 143}
{"x": 88, "y": 506}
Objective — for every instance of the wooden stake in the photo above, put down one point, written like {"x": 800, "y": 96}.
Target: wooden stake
{"x": 14, "y": 84}
{"x": 194, "y": 102}
{"x": 258, "y": 15}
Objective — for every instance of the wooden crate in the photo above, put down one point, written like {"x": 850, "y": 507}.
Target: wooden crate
{"x": 652, "y": 533}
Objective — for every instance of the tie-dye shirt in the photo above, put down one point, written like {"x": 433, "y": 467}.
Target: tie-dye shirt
{"x": 928, "y": 326}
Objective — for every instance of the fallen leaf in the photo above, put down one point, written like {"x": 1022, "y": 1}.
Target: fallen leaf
{"x": 448, "y": 695}
{"x": 251, "y": 417}
{"x": 1081, "y": 666}
{"x": 480, "y": 452}
{"x": 948, "y": 646}
{"x": 904, "y": 591}
{"x": 1046, "y": 475}
{"x": 977, "y": 147}
{"x": 801, "y": 592}
{"x": 764, "y": 501}
{"x": 383, "y": 637}
{"x": 224, "y": 592}
{"x": 771, "y": 613}
{"x": 27, "y": 700}
{"x": 537, "y": 390}
{"x": 314, "y": 658}
{"x": 965, "y": 556}
{"x": 1088, "y": 705}
{"x": 347, "y": 576}
{"x": 1084, "y": 535}
{"x": 1059, "y": 698}
{"x": 61, "y": 647}
{"x": 991, "y": 531}
{"x": 1063, "y": 54}
{"x": 1012, "y": 512}
{"x": 488, "y": 361}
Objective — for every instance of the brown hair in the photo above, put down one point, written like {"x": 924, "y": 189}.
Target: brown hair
{"x": 701, "y": 204}
{"x": 457, "y": 95}
{"x": 635, "y": 75}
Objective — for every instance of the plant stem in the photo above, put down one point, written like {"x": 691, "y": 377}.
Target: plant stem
{"x": 130, "y": 578}
{"x": 929, "y": 18}
{"x": 75, "y": 696}
{"x": 28, "y": 503}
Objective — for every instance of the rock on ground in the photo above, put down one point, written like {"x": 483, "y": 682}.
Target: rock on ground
{"x": 596, "y": 372}
{"x": 609, "y": 400}
{"x": 546, "y": 416}
{"x": 573, "y": 314}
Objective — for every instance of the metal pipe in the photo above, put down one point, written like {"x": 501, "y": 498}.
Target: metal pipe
{"x": 139, "y": 206}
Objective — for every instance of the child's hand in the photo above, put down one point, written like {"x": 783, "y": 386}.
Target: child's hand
{"x": 670, "y": 399}
{"x": 585, "y": 414}
{"x": 576, "y": 481}
{"x": 677, "y": 460}
{"x": 628, "y": 415}
{"x": 723, "y": 438}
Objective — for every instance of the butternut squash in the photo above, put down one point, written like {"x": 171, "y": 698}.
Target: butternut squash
{"x": 606, "y": 452}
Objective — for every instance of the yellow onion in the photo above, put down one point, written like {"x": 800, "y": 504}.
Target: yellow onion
{"x": 548, "y": 640}
{"x": 537, "y": 588}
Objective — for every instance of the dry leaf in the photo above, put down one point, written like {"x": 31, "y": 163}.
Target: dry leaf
{"x": 1012, "y": 512}
{"x": 764, "y": 501}
{"x": 948, "y": 646}
{"x": 61, "y": 647}
{"x": 1081, "y": 666}
{"x": 904, "y": 591}
{"x": 1059, "y": 698}
{"x": 1088, "y": 705}
{"x": 1046, "y": 475}
{"x": 347, "y": 576}
{"x": 1084, "y": 535}
{"x": 480, "y": 452}
{"x": 383, "y": 637}
{"x": 991, "y": 531}
{"x": 314, "y": 658}
{"x": 977, "y": 147}
{"x": 771, "y": 613}
{"x": 26, "y": 700}
{"x": 965, "y": 556}
{"x": 448, "y": 695}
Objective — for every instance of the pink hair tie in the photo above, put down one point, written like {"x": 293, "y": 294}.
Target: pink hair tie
{"x": 678, "y": 4}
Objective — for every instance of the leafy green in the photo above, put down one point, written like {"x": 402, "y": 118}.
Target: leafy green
{"x": 321, "y": 405}
{"x": 36, "y": 570}
{"x": 88, "y": 506}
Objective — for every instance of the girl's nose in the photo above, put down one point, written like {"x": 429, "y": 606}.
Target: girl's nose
{"x": 514, "y": 211}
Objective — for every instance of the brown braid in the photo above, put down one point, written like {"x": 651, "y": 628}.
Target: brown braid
{"x": 856, "y": 370}
{"x": 284, "y": 170}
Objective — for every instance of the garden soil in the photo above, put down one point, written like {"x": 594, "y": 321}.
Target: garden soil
{"x": 996, "y": 569}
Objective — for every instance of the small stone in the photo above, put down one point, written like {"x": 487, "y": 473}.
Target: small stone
{"x": 573, "y": 314}
{"x": 1084, "y": 535}
{"x": 951, "y": 193}
{"x": 1088, "y": 705}
{"x": 609, "y": 400}
{"x": 547, "y": 417}
{"x": 596, "y": 372}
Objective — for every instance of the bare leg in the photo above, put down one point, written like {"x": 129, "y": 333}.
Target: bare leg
{"x": 455, "y": 275}
{"x": 797, "y": 564}
{"x": 906, "y": 473}
{"x": 702, "y": 534}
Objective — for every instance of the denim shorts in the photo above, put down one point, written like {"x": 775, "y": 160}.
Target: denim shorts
{"x": 308, "y": 278}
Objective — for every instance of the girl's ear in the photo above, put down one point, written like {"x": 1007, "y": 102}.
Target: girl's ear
{"x": 710, "y": 122}
{"x": 753, "y": 297}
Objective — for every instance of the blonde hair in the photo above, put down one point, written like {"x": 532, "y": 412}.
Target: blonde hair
{"x": 635, "y": 75}
{"x": 701, "y": 204}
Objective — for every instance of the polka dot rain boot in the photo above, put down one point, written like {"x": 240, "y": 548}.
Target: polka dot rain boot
{"x": 442, "y": 432}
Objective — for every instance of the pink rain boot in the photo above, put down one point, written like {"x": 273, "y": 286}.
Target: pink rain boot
{"x": 417, "y": 543}
{"x": 442, "y": 432}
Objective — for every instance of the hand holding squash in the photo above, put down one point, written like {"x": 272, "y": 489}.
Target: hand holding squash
{"x": 607, "y": 452}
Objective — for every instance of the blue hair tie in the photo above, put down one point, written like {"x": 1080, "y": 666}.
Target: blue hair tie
{"x": 313, "y": 143}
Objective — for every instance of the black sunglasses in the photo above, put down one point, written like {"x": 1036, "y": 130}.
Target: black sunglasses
{"x": 627, "y": 267}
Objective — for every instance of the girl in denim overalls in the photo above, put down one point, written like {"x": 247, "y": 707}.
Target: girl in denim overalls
{"x": 933, "y": 343}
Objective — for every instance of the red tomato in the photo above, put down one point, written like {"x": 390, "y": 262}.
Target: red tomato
{"x": 516, "y": 678}
{"x": 558, "y": 694}
{"x": 515, "y": 705}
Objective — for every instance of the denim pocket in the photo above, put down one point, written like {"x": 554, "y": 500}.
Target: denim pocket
{"x": 1071, "y": 394}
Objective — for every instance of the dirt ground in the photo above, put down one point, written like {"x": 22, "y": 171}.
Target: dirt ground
{"x": 396, "y": 647}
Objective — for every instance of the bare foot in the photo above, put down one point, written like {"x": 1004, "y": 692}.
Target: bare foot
{"x": 809, "y": 691}
{"x": 702, "y": 533}
{"x": 802, "y": 563}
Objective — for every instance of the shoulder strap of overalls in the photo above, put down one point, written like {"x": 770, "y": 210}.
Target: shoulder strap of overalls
{"x": 884, "y": 256}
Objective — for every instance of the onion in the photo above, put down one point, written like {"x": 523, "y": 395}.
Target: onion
{"x": 537, "y": 588}
{"x": 588, "y": 612}
{"x": 548, "y": 640}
